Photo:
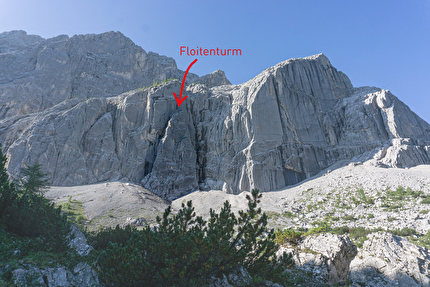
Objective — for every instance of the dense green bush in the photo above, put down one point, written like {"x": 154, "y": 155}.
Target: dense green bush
{"x": 101, "y": 239}
{"x": 32, "y": 230}
{"x": 405, "y": 231}
{"x": 289, "y": 235}
{"x": 33, "y": 216}
{"x": 25, "y": 212}
{"x": 185, "y": 250}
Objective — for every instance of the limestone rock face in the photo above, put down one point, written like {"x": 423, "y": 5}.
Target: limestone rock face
{"x": 389, "y": 260}
{"x": 82, "y": 275}
{"x": 37, "y": 73}
{"x": 79, "y": 242}
{"x": 327, "y": 256}
{"x": 213, "y": 79}
{"x": 288, "y": 123}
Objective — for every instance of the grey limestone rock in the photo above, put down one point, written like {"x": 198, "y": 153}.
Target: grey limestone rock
{"x": 38, "y": 73}
{"x": 82, "y": 275}
{"x": 238, "y": 277}
{"x": 286, "y": 124}
{"x": 389, "y": 260}
{"x": 327, "y": 256}
{"x": 136, "y": 221}
{"x": 16, "y": 41}
{"x": 79, "y": 242}
{"x": 214, "y": 79}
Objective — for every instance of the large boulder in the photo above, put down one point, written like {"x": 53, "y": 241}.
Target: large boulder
{"x": 79, "y": 242}
{"x": 326, "y": 256}
{"x": 389, "y": 260}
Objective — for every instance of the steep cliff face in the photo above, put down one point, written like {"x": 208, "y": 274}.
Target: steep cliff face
{"x": 300, "y": 117}
{"x": 286, "y": 124}
{"x": 37, "y": 73}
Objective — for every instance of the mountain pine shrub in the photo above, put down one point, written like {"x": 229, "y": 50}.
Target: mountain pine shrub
{"x": 25, "y": 212}
{"x": 288, "y": 236}
{"x": 185, "y": 250}
{"x": 100, "y": 240}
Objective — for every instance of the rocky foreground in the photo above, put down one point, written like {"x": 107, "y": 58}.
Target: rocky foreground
{"x": 333, "y": 198}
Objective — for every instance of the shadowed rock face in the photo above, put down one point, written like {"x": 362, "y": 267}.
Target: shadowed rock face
{"x": 286, "y": 124}
{"x": 37, "y": 73}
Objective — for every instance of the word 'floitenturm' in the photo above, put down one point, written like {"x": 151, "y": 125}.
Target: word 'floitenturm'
{"x": 180, "y": 99}
{"x": 199, "y": 51}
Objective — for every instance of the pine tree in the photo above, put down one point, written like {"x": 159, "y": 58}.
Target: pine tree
{"x": 33, "y": 180}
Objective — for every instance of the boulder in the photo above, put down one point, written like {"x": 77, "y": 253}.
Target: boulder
{"x": 79, "y": 242}
{"x": 82, "y": 275}
{"x": 239, "y": 277}
{"x": 135, "y": 221}
{"x": 389, "y": 260}
{"x": 327, "y": 256}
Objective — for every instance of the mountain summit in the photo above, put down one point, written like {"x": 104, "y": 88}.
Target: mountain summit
{"x": 38, "y": 73}
{"x": 286, "y": 124}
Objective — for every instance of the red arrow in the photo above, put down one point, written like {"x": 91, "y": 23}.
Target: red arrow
{"x": 180, "y": 100}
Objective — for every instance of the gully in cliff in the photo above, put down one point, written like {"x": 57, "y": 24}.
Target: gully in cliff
{"x": 180, "y": 100}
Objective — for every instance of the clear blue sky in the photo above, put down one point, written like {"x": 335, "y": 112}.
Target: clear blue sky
{"x": 376, "y": 43}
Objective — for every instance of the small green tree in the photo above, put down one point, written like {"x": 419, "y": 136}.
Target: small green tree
{"x": 33, "y": 180}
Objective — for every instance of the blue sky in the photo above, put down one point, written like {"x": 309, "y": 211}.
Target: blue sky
{"x": 376, "y": 43}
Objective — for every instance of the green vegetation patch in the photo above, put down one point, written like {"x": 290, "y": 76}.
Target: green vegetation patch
{"x": 401, "y": 193}
{"x": 357, "y": 234}
{"x": 423, "y": 240}
{"x": 74, "y": 211}
{"x": 395, "y": 199}
{"x": 32, "y": 230}
{"x": 361, "y": 198}
{"x": 290, "y": 236}
{"x": 349, "y": 217}
{"x": 157, "y": 83}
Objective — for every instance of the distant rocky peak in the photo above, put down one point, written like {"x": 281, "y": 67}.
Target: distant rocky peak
{"x": 105, "y": 43}
{"x": 17, "y": 40}
{"x": 311, "y": 77}
{"x": 216, "y": 78}
{"x": 319, "y": 57}
{"x": 46, "y": 72}
{"x": 167, "y": 62}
